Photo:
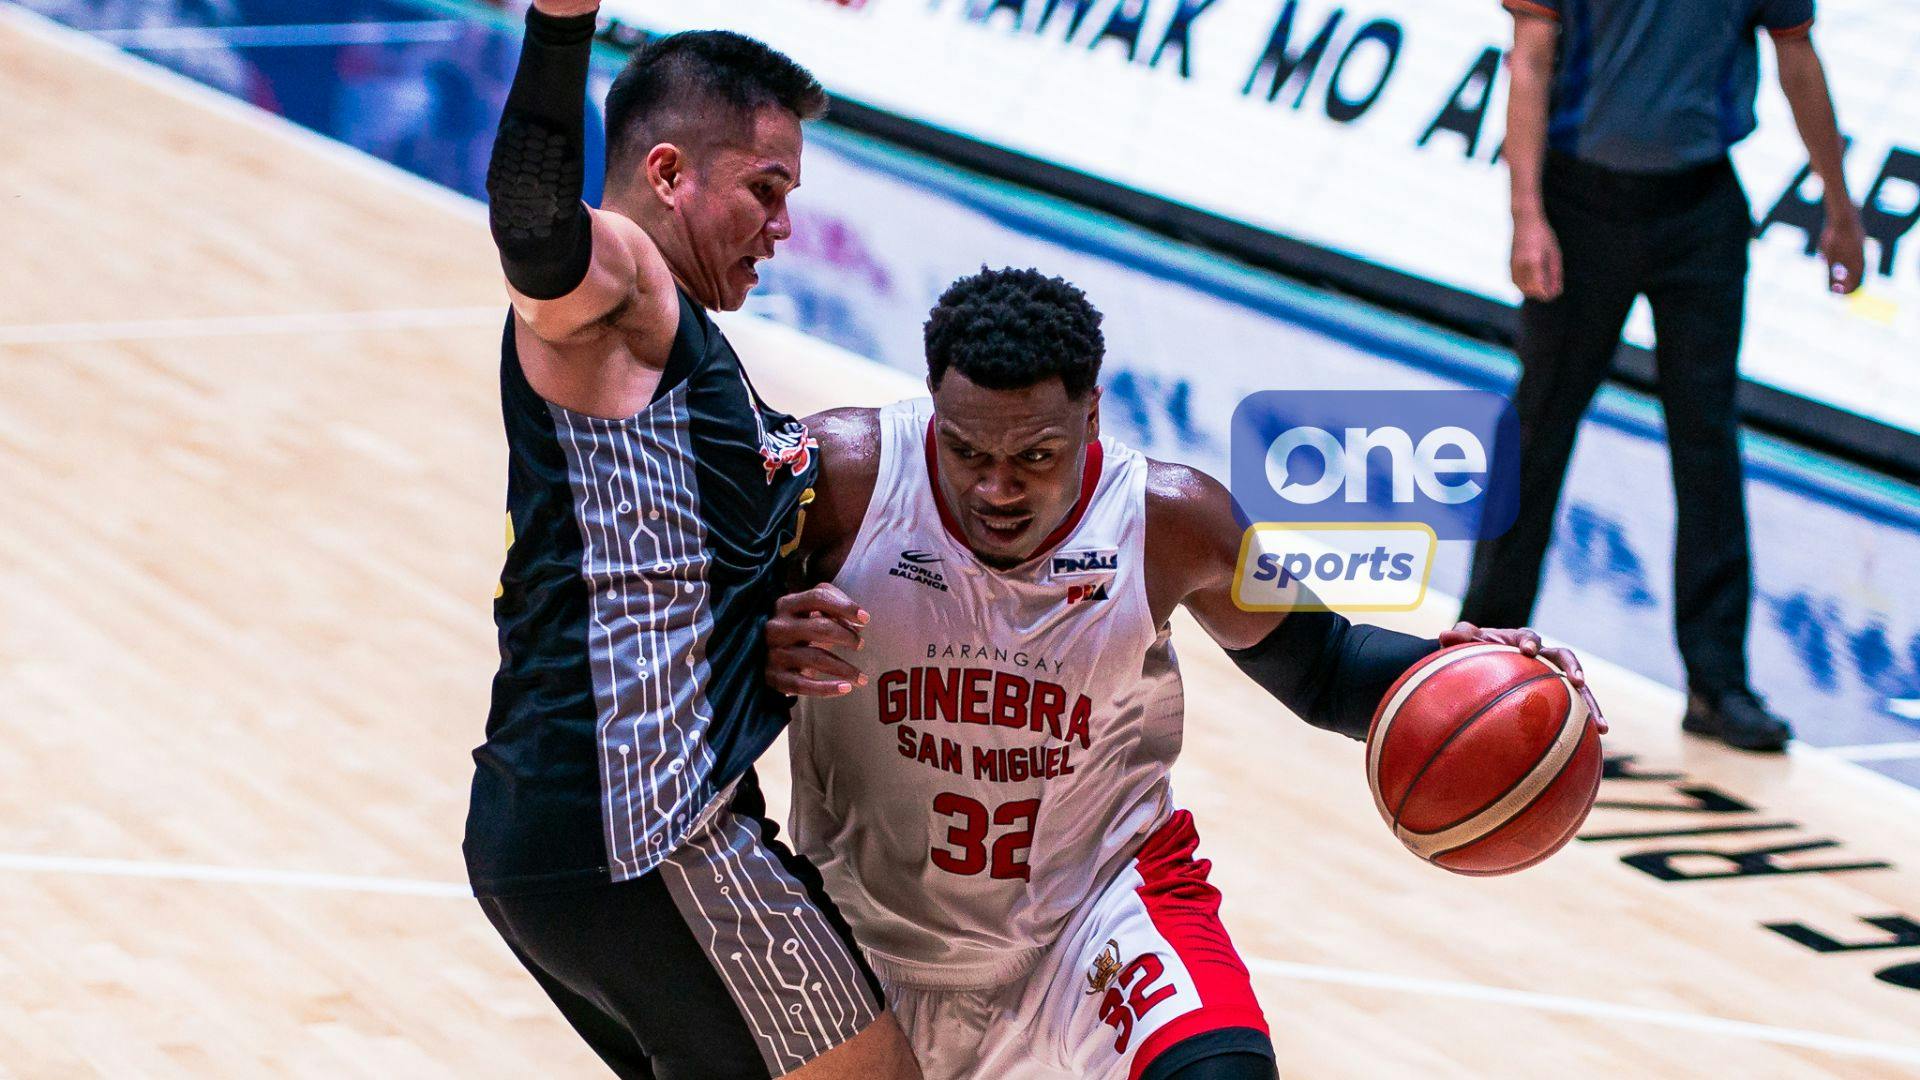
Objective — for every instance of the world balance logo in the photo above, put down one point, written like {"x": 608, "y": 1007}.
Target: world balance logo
{"x": 1349, "y": 492}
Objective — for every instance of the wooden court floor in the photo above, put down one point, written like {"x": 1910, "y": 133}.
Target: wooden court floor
{"x": 250, "y": 500}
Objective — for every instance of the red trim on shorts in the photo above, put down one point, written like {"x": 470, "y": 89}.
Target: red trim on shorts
{"x": 1089, "y": 480}
{"x": 1185, "y": 909}
{"x": 1788, "y": 33}
{"x": 1523, "y": 7}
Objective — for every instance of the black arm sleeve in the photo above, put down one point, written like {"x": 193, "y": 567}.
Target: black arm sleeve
{"x": 536, "y": 174}
{"x": 1330, "y": 671}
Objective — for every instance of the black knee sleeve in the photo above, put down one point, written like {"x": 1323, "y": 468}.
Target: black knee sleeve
{"x": 1235, "y": 1053}
{"x": 1230, "y": 1066}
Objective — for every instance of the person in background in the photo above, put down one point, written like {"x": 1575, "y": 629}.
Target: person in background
{"x": 1619, "y": 122}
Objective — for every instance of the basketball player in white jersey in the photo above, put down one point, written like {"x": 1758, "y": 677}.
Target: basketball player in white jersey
{"x": 986, "y": 791}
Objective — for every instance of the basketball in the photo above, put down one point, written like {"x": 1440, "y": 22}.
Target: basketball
{"x": 1483, "y": 760}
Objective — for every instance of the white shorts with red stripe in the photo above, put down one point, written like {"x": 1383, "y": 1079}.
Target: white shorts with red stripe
{"x": 1145, "y": 979}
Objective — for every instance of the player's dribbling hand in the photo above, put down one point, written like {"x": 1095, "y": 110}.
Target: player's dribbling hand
{"x": 1529, "y": 643}
{"x": 803, "y": 630}
{"x": 562, "y": 9}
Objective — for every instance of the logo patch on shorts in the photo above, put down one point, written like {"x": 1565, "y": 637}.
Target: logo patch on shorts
{"x": 1105, "y": 967}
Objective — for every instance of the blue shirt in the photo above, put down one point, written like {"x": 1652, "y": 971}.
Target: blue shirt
{"x": 1658, "y": 85}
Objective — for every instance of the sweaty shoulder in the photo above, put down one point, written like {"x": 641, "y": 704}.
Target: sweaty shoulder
{"x": 1193, "y": 534}
{"x": 849, "y": 468}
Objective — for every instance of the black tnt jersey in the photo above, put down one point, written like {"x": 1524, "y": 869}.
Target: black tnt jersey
{"x": 639, "y": 575}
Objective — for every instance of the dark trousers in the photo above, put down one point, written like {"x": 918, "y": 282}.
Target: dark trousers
{"x": 1681, "y": 240}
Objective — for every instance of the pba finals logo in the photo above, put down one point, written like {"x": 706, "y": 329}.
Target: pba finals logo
{"x": 1349, "y": 492}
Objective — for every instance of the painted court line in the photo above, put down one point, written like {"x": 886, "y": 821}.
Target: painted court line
{"x": 1604, "y": 1010}
{"x": 1875, "y": 751}
{"x": 230, "y": 875}
{"x": 325, "y": 322}
{"x": 299, "y": 34}
{"x": 1492, "y": 995}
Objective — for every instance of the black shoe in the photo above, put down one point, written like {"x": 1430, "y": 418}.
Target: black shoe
{"x": 1738, "y": 718}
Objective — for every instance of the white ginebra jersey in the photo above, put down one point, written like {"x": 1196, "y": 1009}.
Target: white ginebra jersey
{"x": 1011, "y": 747}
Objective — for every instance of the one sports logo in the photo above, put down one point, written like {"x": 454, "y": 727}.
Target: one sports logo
{"x": 915, "y": 555}
{"x": 1348, "y": 492}
{"x": 1443, "y": 458}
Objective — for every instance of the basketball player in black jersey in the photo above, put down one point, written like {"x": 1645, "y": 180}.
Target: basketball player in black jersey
{"x": 616, "y": 836}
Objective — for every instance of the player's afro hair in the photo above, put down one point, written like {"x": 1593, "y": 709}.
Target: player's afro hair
{"x": 1008, "y": 329}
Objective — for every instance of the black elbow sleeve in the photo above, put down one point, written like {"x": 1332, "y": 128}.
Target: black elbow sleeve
{"x": 537, "y": 172}
{"x": 1330, "y": 671}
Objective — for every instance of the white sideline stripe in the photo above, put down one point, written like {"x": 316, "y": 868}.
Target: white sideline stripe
{"x": 1526, "y": 999}
{"x": 296, "y": 34}
{"x": 1495, "y": 995}
{"x": 323, "y": 322}
{"x": 231, "y": 875}
{"x": 1886, "y": 751}
{"x": 1707, "y": 1025}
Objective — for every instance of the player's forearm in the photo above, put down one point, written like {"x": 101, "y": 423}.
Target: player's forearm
{"x": 1531, "y": 68}
{"x": 536, "y": 176}
{"x": 1330, "y": 671}
{"x": 1805, "y": 83}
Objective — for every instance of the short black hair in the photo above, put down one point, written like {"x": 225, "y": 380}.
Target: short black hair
{"x": 1009, "y": 329}
{"x": 698, "y": 78}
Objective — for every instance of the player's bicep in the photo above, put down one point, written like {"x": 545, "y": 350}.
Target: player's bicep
{"x": 1194, "y": 530}
{"x": 1214, "y": 607}
{"x": 848, "y": 444}
{"x": 625, "y": 274}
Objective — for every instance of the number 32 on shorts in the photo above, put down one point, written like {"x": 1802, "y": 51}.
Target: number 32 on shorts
{"x": 1132, "y": 995}
{"x": 966, "y": 852}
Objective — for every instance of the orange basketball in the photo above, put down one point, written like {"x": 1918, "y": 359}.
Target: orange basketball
{"x": 1483, "y": 760}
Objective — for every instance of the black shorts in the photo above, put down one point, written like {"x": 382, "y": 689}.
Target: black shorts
{"x": 727, "y": 960}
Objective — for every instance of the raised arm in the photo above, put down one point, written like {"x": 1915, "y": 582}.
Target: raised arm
{"x": 571, "y": 271}
{"x": 1804, "y": 80}
{"x": 1536, "y": 263}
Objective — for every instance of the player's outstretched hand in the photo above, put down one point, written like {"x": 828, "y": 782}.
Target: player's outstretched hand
{"x": 1529, "y": 643}
{"x": 805, "y": 627}
{"x": 561, "y": 9}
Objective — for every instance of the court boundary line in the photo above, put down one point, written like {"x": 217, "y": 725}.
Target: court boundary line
{"x": 1887, "y": 751}
{"x": 230, "y": 875}
{"x": 314, "y": 322}
{"x": 208, "y": 873}
{"x": 1587, "y": 1007}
